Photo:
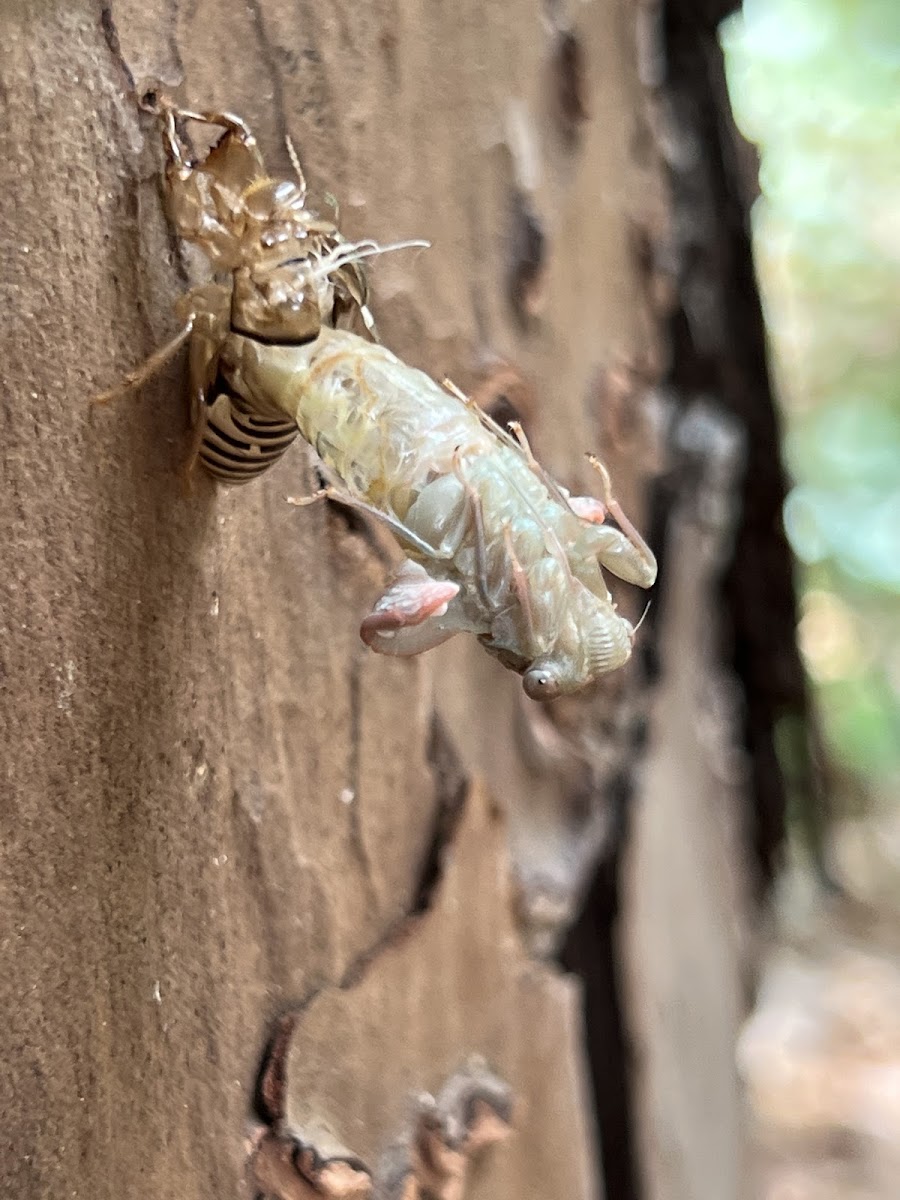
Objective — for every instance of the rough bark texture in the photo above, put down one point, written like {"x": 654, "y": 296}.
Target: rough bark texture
{"x": 233, "y": 840}
{"x": 696, "y": 853}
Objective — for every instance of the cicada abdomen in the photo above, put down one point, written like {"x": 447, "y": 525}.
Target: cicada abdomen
{"x": 236, "y": 446}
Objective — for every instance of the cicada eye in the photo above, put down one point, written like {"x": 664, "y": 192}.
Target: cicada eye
{"x": 540, "y": 683}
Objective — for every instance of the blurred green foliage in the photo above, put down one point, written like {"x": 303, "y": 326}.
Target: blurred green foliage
{"x": 816, "y": 85}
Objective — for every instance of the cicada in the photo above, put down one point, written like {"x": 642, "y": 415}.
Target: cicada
{"x": 494, "y": 546}
{"x": 257, "y": 232}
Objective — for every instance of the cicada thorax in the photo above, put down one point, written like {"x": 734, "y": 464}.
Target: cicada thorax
{"x": 277, "y": 305}
{"x": 242, "y": 436}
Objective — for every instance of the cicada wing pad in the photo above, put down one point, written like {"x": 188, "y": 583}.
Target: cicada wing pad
{"x": 406, "y": 618}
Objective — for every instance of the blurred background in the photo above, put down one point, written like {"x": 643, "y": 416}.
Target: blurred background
{"x": 816, "y": 87}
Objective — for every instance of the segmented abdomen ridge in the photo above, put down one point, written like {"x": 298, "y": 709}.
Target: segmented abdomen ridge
{"x": 238, "y": 446}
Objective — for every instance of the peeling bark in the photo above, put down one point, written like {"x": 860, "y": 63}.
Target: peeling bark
{"x": 367, "y": 1074}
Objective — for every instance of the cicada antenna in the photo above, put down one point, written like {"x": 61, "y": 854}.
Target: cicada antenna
{"x": 641, "y": 621}
{"x": 295, "y": 163}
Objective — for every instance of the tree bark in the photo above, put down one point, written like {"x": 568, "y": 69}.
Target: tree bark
{"x": 259, "y": 887}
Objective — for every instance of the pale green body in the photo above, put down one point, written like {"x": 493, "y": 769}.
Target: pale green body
{"x": 463, "y": 497}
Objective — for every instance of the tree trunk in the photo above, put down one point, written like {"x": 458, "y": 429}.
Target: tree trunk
{"x": 260, "y": 888}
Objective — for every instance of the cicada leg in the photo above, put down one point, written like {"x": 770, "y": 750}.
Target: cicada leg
{"x": 199, "y": 417}
{"x": 520, "y": 587}
{"x": 547, "y": 480}
{"x": 210, "y": 325}
{"x": 477, "y": 517}
{"x": 512, "y": 435}
{"x": 295, "y": 163}
{"x": 622, "y": 551}
{"x": 149, "y": 367}
{"x": 171, "y": 115}
{"x": 204, "y": 311}
{"x": 152, "y": 366}
{"x": 352, "y": 294}
{"x": 395, "y": 525}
